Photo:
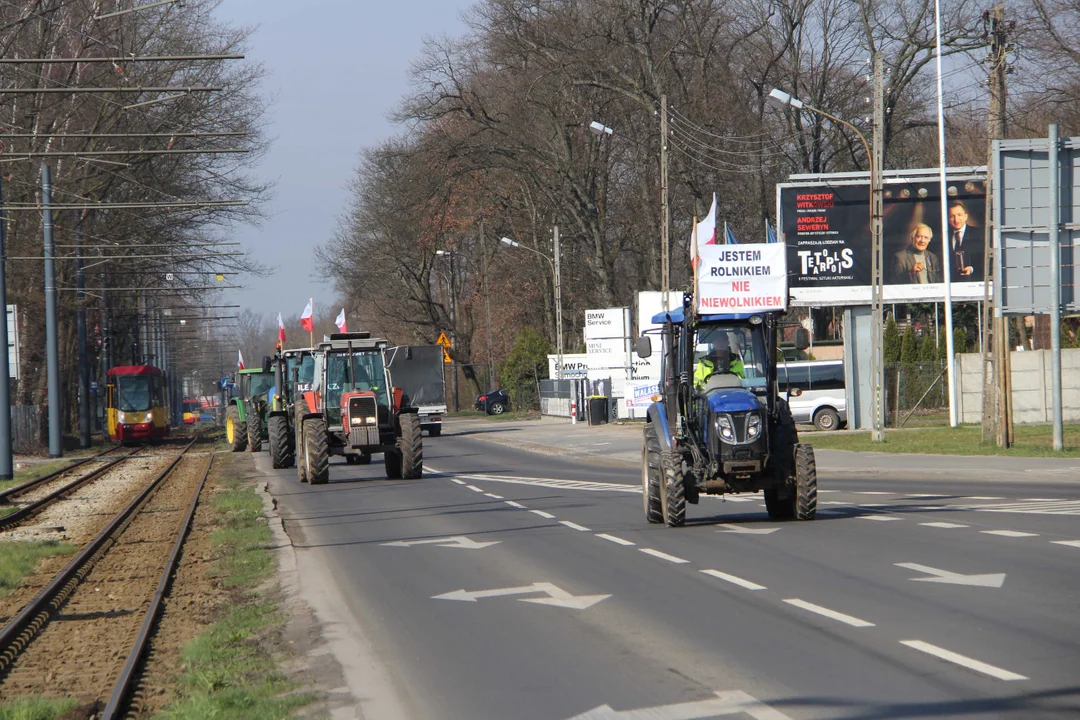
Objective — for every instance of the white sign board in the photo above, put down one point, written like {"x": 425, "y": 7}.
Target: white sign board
{"x": 13, "y": 341}
{"x": 606, "y": 353}
{"x": 607, "y": 323}
{"x": 741, "y": 278}
{"x": 639, "y": 393}
{"x": 574, "y": 365}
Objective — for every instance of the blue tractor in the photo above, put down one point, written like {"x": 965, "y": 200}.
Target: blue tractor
{"x": 719, "y": 424}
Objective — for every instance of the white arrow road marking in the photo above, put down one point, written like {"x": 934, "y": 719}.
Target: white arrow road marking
{"x": 969, "y": 663}
{"x": 945, "y": 525}
{"x": 458, "y": 541}
{"x": 1070, "y": 543}
{"x": 556, "y": 596}
{"x": 879, "y": 518}
{"x": 731, "y": 702}
{"x": 1009, "y": 533}
{"x": 995, "y": 580}
{"x": 742, "y": 530}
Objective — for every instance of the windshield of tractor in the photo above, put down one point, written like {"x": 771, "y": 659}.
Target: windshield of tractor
{"x": 367, "y": 374}
{"x": 258, "y": 384}
{"x": 133, "y": 392}
{"x": 305, "y": 363}
{"x": 735, "y": 348}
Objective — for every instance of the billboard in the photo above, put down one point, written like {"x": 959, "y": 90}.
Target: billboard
{"x": 825, "y": 225}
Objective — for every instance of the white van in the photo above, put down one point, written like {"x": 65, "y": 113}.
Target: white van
{"x": 815, "y": 392}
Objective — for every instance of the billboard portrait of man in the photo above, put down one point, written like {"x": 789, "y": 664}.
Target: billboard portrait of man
{"x": 917, "y": 263}
{"x": 966, "y": 243}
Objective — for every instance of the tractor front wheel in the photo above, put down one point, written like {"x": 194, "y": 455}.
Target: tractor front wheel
{"x": 300, "y": 409}
{"x": 411, "y": 445}
{"x": 254, "y": 431}
{"x": 650, "y": 476}
{"x": 316, "y": 452}
{"x": 281, "y": 452}
{"x": 806, "y": 483}
{"x": 673, "y": 492}
{"x": 235, "y": 429}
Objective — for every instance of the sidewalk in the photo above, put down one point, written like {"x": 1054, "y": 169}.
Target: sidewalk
{"x": 619, "y": 445}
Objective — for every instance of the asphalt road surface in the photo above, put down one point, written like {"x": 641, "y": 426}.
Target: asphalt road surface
{"x": 513, "y": 584}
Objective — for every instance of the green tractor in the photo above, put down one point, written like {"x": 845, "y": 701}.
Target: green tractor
{"x": 294, "y": 371}
{"x": 245, "y": 418}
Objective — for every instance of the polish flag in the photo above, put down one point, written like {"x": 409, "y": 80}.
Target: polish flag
{"x": 239, "y": 360}
{"x": 706, "y": 232}
{"x": 305, "y": 319}
{"x": 340, "y": 322}
{"x": 280, "y": 329}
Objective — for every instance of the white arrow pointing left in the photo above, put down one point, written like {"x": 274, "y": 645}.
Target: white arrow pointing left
{"x": 458, "y": 541}
{"x": 743, "y": 530}
{"x": 994, "y": 580}
{"x": 555, "y": 596}
{"x": 733, "y": 702}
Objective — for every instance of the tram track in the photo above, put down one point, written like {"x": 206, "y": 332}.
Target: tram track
{"x": 87, "y": 632}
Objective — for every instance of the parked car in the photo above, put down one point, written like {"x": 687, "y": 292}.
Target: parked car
{"x": 815, "y": 392}
{"x": 495, "y": 402}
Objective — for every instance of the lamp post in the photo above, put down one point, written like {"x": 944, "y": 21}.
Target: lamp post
{"x": 554, "y": 263}
{"x": 877, "y": 371}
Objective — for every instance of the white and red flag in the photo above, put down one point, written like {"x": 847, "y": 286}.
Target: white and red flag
{"x": 280, "y": 329}
{"x": 704, "y": 232}
{"x": 305, "y": 319}
{"x": 340, "y": 322}
{"x": 239, "y": 360}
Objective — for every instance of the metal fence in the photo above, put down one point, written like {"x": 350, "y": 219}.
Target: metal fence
{"x": 915, "y": 389}
{"x": 29, "y": 431}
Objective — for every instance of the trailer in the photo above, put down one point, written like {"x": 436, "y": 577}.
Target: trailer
{"x": 418, "y": 371}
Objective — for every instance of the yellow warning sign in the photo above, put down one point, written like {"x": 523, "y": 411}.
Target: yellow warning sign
{"x": 446, "y": 356}
{"x": 444, "y": 341}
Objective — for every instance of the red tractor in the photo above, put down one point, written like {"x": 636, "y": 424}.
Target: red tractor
{"x": 352, "y": 410}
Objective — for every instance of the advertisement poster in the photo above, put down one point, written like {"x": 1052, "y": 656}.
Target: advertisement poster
{"x": 826, "y": 229}
{"x": 741, "y": 278}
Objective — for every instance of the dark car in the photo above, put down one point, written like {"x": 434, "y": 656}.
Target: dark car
{"x": 495, "y": 402}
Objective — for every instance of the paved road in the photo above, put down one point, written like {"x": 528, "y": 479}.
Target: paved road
{"x": 922, "y": 597}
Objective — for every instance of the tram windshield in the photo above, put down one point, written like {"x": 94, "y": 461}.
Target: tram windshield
{"x": 134, "y": 392}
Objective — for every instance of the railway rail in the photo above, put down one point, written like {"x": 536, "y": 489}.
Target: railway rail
{"x": 109, "y": 597}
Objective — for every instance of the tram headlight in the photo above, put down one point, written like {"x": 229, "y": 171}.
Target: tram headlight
{"x": 149, "y": 417}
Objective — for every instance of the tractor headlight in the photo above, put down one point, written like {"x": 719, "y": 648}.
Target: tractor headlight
{"x": 753, "y": 426}
{"x": 723, "y": 424}
{"x": 362, "y": 420}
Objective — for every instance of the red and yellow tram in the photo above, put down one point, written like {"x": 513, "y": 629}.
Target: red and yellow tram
{"x": 135, "y": 404}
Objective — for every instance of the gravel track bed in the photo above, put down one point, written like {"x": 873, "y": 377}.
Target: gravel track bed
{"x": 82, "y": 649}
{"x": 36, "y": 493}
{"x": 80, "y": 515}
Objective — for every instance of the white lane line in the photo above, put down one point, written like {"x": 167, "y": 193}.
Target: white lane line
{"x": 873, "y": 492}
{"x": 1009, "y": 533}
{"x": 543, "y": 514}
{"x": 575, "y": 526}
{"x": 879, "y": 518}
{"x": 734, "y": 580}
{"x": 663, "y": 556}
{"x": 474, "y": 488}
{"x": 511, "y": 503}
{"x": 612, "y": 538}
{"x": 945, "y": 525}
{"x": 982, "y": 497}
{"x": 874, "y": 505}
{"x": 1040, "y": 499}
{"x": 922, "y": 496}
{"x": 459, "y": 482}
{"x": 969, "y": 663}
{"x": 828, "y": 491}
{"x": 835, "y": 502}
{"x": 493, "y": 495}
{"x": 1070, "y": 543}
{"x": 831, "y": 614}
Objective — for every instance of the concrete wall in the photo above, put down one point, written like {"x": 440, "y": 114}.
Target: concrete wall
{"x": 1031, "y": 391}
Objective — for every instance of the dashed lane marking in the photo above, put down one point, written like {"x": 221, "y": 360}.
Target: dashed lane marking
{"x": 511, "y": 503}
{"x": 873, "y": 492}
{"x": 831, "y": 614}
{"x": 543, "y": 514}
{"x": 734, "y": 580}
{"x": 574, "y": 526}
{"x": 982, "y": 497}
{"x": 1009, "y": 533}
{"x": 663, "y": 556}
{"x": 493, "y": 496}
{"x": 474, "y": 488}
{"x": 612, "y": 538}
{"x": 1070, "y": 543}
{"x": 586, "y": 485}
{"x": 459, "y": 482}
{"x": 962, "y": 660}
{"x": 879, "y": 518}
{"x": 1029, "y": 507}
{"x": 945, "y": 525}
{"x": 923, "y": 496}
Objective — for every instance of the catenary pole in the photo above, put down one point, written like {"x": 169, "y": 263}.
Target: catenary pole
{"x": 84, "y": 354}
{"x": 487, "y": 305}
{"x": 877, "y": 353}
{"x": 52, "y": 346}
{"x": 1055, "y": 288}
{"x": 6, "y": 469}
{"x": 665, "y": 239}
{"x": 946, "y": 250}
{"x": 558, "y": 303}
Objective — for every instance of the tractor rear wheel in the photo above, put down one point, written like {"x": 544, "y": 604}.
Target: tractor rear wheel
{"x": 411, "y": 444}
{"x": 281, "y": 452}
{"x": 254, "y": 431}
{"x": 673, "y": 490}
{"x": 650, "y": 475}
{"x": 435, "y": 430}
{"x": 780, "y": 503}
{"x": 363, "y": 458}
{"x": 806, "y": 482}
{"x": 301, "y": 409}
{"x": 235, "y": 429}
{"x": 316, "y": 452}
{"x": 392, "y": 458}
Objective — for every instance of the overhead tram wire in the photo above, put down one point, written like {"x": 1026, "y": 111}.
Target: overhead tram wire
{"x": 710, "y": 152}
{"x": 720, "y": 165}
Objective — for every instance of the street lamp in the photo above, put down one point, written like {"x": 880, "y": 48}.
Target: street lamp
{"x": 877, "y": 370}
{"x": 599, "y": 128}
{"x": 554, "y": 263}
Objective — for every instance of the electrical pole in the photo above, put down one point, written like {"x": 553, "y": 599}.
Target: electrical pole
{"x": 556, "y": 265}
{"x": 996, "y": 381}
{"x": 877, "y": 355}
{"x": 6, "y": 469}
{"x": 665, "y": 239}
{"x": 52, "y": 345}
{"x": 453, "y": 333}
{"x": 84, "y": 353}
{"x": 487, "y": 305}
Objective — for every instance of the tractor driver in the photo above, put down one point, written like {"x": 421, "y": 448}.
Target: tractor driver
{"x": 718, "y": 360}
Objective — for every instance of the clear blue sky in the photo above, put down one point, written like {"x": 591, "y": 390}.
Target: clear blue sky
{"x": 336, "y": 69}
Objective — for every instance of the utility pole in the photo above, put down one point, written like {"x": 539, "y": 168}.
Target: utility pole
{"x": 52, "y": 345}
{"x": 877, "y": 355}
{"x": 453, "y": 332}
{"x": 665, "y": 239}
{"x": 997, "y": 385}
{"x": 487, "y": 304}
{"x": 558, "y": 301}
{"x": 6, "y": 463}
{"x": 80, "y": 330}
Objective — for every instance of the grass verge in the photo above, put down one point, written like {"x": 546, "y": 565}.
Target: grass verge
{"x": 1031, "y": 441}
{"x": 39, "y": 708}
{"x": 17, "y": 559}
{"x": 228, "y": 670}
